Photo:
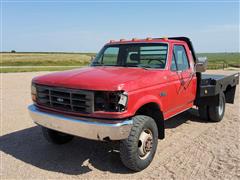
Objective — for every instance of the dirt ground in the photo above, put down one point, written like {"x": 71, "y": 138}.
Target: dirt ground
{"x": 192, "y": 149}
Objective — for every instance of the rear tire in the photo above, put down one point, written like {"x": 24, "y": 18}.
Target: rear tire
{"x": 56, "y": 137}
{"x": 138, "y": 150}
{"x": 216, "y": 113}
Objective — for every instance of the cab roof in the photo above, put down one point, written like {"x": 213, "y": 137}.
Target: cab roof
{"x": 146, "y": 40}
{"x": 158, "y": 40}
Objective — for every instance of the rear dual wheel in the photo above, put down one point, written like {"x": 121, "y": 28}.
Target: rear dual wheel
{"x": 213, "y": 113}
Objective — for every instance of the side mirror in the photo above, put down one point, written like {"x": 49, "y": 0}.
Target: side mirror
{"x": 201, "y": 64}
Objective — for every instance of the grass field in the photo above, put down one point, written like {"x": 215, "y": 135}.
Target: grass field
{"x": 217, "y": 59}
{"x": 33, "y": 60}
{"x": 45, "y": 59}
{"x": 30, "y": 69}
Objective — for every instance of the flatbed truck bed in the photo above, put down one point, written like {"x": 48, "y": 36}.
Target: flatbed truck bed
{"x": 211, "y": 85}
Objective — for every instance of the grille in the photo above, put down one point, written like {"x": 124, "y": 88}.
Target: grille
{"x": 65, "y": 99}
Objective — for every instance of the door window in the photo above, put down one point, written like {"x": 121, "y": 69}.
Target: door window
{"x": 179, "y": 61}
{"x": 173, "y": 65}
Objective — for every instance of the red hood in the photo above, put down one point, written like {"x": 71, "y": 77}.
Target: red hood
{"x": 100, "y": 78}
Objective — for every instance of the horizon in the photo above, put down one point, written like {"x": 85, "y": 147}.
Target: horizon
{"x": 80, "y": 27}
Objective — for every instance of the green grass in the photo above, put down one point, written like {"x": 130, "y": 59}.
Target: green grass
{"x": 231, "y": 59}
{"x": 11, "y": 70}
{"x": 216, "y": 60}
{"x": 45, "y": 59}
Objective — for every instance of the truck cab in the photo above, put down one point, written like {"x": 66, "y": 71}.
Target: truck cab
{"x": 126, "y": 94}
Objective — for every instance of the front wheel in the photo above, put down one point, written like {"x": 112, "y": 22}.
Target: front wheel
{"x": 56, "y": 137}
{"x": 138, "y": 150}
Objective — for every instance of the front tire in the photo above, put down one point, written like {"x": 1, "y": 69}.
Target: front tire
{"x": 56, "y": 137}
{"x": 138, "y": 150}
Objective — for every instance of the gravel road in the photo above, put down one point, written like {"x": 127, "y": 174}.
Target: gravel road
{"x": 192, "y": 149}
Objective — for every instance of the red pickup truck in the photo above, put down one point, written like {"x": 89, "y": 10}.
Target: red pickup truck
{"x": 126, "y": 94}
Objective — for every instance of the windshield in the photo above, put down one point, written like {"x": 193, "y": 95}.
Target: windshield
{"x": 147, "y": 55}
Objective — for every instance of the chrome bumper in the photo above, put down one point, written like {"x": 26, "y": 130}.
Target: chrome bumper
{"x": 83, "y": 127}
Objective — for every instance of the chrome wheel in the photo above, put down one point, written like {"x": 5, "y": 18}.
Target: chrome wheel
{"x": 145, "y": 143}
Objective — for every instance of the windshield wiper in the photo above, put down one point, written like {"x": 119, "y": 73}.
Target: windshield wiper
{"x": 144, "y": 66}
{"x": 97, "y": 65}
{"x": 105, "y": 65}
{"x": 139, "y": 66}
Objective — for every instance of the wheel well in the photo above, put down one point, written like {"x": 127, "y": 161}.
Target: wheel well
{"x": 153, "y": 110}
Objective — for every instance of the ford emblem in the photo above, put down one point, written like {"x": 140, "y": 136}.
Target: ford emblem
{"x": 60, "y": 99}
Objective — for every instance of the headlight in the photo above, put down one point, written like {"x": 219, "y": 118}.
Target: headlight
{"x": 110, "y": 101}
{"x": 33, "y": 92}
{"x": 123, "y": 99}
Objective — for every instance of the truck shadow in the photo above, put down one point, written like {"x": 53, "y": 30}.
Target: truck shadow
{"x": 74, "y": 158}
{"x": 190, "y": 115}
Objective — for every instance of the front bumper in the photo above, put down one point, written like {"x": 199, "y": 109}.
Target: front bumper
{"x": 83, "y": 127}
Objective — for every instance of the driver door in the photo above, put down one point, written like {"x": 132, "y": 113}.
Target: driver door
{"x": 182, "y": 81}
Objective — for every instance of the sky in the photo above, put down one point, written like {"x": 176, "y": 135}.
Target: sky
{"x": 73, "y": 26}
